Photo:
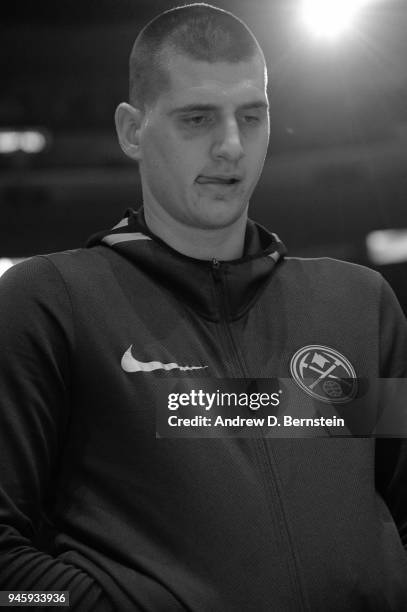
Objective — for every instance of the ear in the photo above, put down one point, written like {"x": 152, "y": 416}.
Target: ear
{"x": 128, "y": 121}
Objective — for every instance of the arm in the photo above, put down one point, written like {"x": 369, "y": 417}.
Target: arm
{"x": 36, "y": 340}
{"x": 391, "y": 454}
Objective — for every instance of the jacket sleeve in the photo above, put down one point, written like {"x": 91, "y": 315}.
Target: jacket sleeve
{"x": 36, "y": 339}
{"x": 391, "y": 453}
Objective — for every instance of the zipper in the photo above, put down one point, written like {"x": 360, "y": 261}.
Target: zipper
{"x": 266, "y": 461}
{"x": 231, "y": 348}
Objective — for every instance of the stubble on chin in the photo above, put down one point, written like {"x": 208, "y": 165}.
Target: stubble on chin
{"x": 218, "y": 213}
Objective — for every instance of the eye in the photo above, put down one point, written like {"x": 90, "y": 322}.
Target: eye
{"x": 200, "y": 120}
{"x": 197, "y": 120}
{"x": 251, "y": 119}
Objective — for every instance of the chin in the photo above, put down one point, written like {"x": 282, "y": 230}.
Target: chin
{"x": 218, "y": 214}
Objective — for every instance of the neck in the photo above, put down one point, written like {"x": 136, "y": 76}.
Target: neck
{"x": 224, "y": 243}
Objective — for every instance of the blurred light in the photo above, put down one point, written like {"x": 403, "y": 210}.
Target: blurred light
{"x": 5, "y": 264}
{"x": 387, "y": 246}
{"x": 32, "y": 142}
{"x": 330, "y": 18}
{"x": 28, "y": 141}
{"x": 9, "y": 142}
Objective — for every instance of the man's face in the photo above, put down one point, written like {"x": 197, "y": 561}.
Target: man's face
{"x": 203, "y": 142}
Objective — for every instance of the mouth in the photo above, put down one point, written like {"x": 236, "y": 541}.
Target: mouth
{"x": 218, "y": 179}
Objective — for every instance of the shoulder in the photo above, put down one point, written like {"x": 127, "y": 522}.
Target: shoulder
{"x": 66, "y": 267}
{"x": 48, "y": 279}
{"x": 32, "y": 277}
{"x": 35, "y": 306}
{"x": 327, "y": 266}
{"x": 328, "y": 272}
{"x": 78, "y": 262}
{"x": 319, "y": 281}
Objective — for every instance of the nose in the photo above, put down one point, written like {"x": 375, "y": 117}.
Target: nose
{"x": 228, "y": 144}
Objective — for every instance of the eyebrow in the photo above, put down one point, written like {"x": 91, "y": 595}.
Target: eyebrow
{"x": 213, "y": 107}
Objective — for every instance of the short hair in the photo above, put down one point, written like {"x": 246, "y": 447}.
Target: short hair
{"x": 199, "y": 31}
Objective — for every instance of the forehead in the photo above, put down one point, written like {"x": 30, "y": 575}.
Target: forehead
{"x": 217, "y": 83}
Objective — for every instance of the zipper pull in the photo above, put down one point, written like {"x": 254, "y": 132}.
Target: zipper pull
{"x": 216, "y": 268}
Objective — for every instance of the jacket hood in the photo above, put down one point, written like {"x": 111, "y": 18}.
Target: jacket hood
{"x": 240, "y": 280}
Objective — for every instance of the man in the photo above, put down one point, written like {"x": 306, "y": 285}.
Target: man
{"x": 187, "y": 286}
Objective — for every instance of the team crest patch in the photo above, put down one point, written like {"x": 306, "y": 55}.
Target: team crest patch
{"x": 324, "y": 374}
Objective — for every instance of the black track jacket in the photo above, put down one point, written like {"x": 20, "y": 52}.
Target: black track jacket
{"x": 93, "y": 503}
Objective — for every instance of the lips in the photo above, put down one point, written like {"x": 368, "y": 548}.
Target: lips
{"x": 218, "y": 180}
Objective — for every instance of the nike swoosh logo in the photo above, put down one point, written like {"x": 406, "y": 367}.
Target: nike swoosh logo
{"x": 129, "y": 364}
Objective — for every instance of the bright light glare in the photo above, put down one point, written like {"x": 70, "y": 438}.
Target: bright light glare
{"x": 330, "y": 18}
{"x": 28, "y": 141}
{"x": 387, "y": 246}
{"x": 32, "y": 142}
{"x": 5, "y": 264}
{"x": 9, "y": 142}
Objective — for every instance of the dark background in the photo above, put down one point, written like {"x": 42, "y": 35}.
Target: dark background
{"x": 337, "y": 161}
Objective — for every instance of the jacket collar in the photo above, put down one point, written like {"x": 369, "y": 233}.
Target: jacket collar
{"x": 212, "y": 289}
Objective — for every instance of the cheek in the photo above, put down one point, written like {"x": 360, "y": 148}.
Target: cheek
{"x": 170, "y": 159}
{"x": 161, "y": 153}
{"x": 257, "y": 151}
{"x": 155, "y": 150}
